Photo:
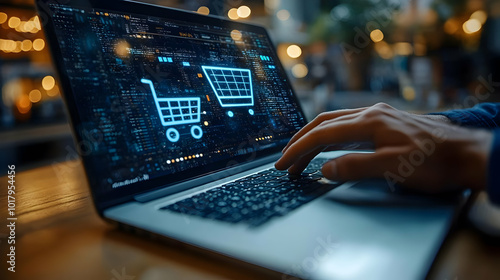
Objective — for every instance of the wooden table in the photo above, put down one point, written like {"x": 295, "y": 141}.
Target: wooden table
{"x": 59, "y": 236}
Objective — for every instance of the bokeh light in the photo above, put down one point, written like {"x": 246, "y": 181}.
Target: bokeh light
{"x": 384, "y": 50}
{"x": 54, "y": 91}
{"x": 48, "y": 83}
{"x": 38, "y": 25}
{"x": 294, "y": 51}
{"x": 203, "y": 10}
{"x": 300, "y": 71}
{"x": 244, "y": 11}
{"x": 472, "y": 26}
{"x": 14, "y": 22}
{"x": 377, "y": 35}
{"x": 35, "y": 96}
{"x": 409, "y": 93}
{"x": 28, "y": 26}
{"x": 18, "y": 47}
{"x": 272, "y": 4}
{"x": 283, "y": 15}
{"x": 233, "y": 14}
{"x": 23, "y": 104}
{"x": 38, "y": 44}
{"x": 480, "y": 15}
{"x": 26, "y": 45}
{"x": 403, "y": 48}
{"x": 451, "y": 26}
{"x": 3, "y": 18}
{"x": 122, "y": 48}
{"x": 236, "y": 35}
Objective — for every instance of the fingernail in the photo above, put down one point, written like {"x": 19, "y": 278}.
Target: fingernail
{"x": 330, "y": 170}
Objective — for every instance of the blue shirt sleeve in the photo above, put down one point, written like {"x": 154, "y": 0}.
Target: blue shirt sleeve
{"x": 486, "y": 115}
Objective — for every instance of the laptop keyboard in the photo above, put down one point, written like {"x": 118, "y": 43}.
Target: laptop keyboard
{"x": 257, "y": 198}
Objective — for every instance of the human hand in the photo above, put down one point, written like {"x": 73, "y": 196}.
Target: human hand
{"x": 422, "y": 152}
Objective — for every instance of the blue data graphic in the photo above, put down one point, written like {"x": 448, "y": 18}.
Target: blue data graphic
{"x": 232, "y": 86}
{"x": 170, "y": 96}
{"x": 177, "y": 111}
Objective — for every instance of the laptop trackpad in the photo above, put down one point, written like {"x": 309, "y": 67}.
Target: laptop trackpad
{"x": 378, "y": 192}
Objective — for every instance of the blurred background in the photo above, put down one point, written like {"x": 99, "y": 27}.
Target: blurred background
{"x": 417, "y": 55}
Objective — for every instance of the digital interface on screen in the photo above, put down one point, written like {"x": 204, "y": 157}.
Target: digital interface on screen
{"x": 157, "y": 96}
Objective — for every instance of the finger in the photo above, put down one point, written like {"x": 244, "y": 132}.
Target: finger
{"x": 350, "y": 146}
{"x": 354, "y": 167}
{"x": 303, "y": 162}
{"x": 320, "y": 119}
{"x": 332, "y": 133}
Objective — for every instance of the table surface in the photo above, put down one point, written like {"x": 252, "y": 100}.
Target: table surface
{"x": 60, "y": 236}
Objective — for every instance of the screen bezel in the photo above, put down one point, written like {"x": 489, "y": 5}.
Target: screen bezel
{"x": 105, "y": 199}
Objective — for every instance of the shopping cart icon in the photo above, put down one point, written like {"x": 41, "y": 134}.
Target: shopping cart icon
{"x": 177, "y": 111}
{"x": 232, "y": 86}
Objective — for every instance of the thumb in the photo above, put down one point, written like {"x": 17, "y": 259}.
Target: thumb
{"x": 357, "y": 166}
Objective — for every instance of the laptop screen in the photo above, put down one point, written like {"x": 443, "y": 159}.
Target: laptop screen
{"x": 160, "y": 97}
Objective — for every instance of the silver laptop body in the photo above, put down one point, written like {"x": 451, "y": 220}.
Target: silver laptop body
{"x": 167, "y": 105}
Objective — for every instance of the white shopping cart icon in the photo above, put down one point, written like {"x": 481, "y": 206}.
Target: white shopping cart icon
{"x": 232, "y": 86}
{"x": 177, "y": 111}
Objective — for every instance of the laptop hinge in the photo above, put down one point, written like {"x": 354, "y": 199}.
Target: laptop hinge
{"x": 172, "y": 189}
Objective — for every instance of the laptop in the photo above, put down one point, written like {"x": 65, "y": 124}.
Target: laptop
{"x": 179, "y": 118}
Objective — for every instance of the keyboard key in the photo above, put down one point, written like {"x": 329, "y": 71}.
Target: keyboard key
{"x": 256, "y": 199}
